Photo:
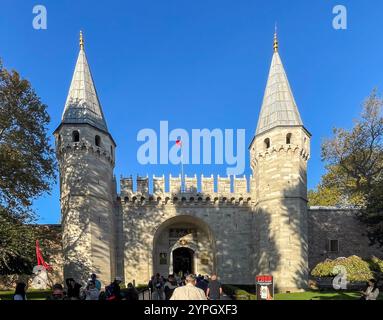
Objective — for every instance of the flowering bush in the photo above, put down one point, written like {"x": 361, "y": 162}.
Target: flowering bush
{"x": 357, "y": 269}
{"x": 376, "y": 264}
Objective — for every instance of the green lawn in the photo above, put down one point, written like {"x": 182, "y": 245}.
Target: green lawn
{"x": 312, "y": 295}
{"x": 317, "y": 295}
{"x": 247, "y": 292}
{"x": 31, "y": 294}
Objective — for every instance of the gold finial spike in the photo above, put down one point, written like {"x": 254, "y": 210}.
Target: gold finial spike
{"x": 81, "y": 41}
{"x": 276, "y": 44}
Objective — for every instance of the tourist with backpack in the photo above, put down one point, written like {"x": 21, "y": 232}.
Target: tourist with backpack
{"x": 113, "y": 291}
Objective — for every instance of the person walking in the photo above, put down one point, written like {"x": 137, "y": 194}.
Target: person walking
{"x": 158, "y": 287}
{"x": 20, "y": 292}
{"x": 169, "y": 287}
{"x": 214, "y": 288}
{"x": 150, "y": 286}
{"x": 188, "y": 291}
{"x": 202, "y": 283}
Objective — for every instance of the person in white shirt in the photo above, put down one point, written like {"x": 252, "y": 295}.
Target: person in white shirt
{"x": 189, "y": 291}
{"x": 91, "y": 292}
{"x": 372, "y": 291}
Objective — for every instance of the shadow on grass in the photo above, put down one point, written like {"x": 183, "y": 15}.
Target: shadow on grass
{"x": 338, "y": 296}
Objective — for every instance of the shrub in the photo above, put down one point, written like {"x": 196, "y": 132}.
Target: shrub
{"x": 376, "y": 264}
{"x": 357, "y": 269}
{"x": 142, "y": 287}
{"x": 237, "y": 293}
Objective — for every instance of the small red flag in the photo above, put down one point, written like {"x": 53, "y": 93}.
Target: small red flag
{"x": 179, "y": 143}
{"x": 40, "y": 259}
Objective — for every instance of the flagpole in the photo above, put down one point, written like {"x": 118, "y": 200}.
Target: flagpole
{"x": 179, "y": 143}
{"x": 182, "y": 169}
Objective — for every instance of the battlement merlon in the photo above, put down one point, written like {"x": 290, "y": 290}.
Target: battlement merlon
{"x": 157, "y": 186}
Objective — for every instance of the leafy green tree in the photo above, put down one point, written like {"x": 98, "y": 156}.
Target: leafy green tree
{"x": 355, "y": 168}
{"x": 27, "y": 167}
{"x": 335, "y": 189}
{"x": 324, "y": 196}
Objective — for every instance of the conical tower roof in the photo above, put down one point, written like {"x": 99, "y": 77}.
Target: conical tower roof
{"x": 278, "y": 107}
{"x": 82, "y": 104}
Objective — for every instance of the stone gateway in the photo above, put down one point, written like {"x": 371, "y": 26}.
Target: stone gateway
{"x": 236, "y": 227}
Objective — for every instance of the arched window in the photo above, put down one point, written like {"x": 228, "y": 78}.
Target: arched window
{"x": 75, "y": 136}
{"x": 288, "y": 138}
{"x": 267, "y": 143}
{"x": 97, "y": 141}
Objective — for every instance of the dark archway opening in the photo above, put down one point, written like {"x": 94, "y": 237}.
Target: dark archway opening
{"x": 183, "y": 261}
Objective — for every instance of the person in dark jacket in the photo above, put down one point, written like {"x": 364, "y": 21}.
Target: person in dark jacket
{"x": 214, "y": 289}
{"x": 20, "y": 292}
{"x": 169, "y": 287}
{"x": 202, "y": 283}
{"x": 113, "y": 291}
{"x": 131, "y": 293}
{"x": 73, "y": 292}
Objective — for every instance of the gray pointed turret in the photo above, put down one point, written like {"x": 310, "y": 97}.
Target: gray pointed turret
{"x": 278, "y": 107}
{"x": 85, "y": 152}
{"x": 82, "y": 104}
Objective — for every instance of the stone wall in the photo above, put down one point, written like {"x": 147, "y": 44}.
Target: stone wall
{"x": 234, "y": 227}
{"x": 202, "y": 185}
{"x": 223, "y": 220}
{"x": 337, "y": 224}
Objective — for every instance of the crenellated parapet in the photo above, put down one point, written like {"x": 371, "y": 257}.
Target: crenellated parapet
{"x": 198, "y": 190}
{"x": 65, "y": 148}
{"x": 283, "y": 149}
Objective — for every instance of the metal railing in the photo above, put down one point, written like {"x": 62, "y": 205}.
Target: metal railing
{"x": 143, "y": 293}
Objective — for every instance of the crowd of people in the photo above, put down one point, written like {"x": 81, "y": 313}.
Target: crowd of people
{"x": 189, "y": 287}
{"x": 174, "y": 287}
{"x": 91, "y": 291}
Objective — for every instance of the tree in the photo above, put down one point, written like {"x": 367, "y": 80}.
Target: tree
{"x": 335, "y": 189}
{"x": 27, "y": 166}
{"x": 355, "y": 167}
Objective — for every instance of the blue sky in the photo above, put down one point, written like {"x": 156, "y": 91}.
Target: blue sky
{"x": 197, "y": 64}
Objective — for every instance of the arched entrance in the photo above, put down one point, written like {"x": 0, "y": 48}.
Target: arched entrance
{"x": 183, "y": 260}
{"x": 183, "y": 244}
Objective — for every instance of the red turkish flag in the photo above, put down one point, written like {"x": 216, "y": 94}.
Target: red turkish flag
{"x": 179, "y": 143}
{"x": 40, "y": 259}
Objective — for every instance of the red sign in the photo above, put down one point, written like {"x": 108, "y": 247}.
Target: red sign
{"x": 264, "y": 279}
{"x": 265, "y": 287}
